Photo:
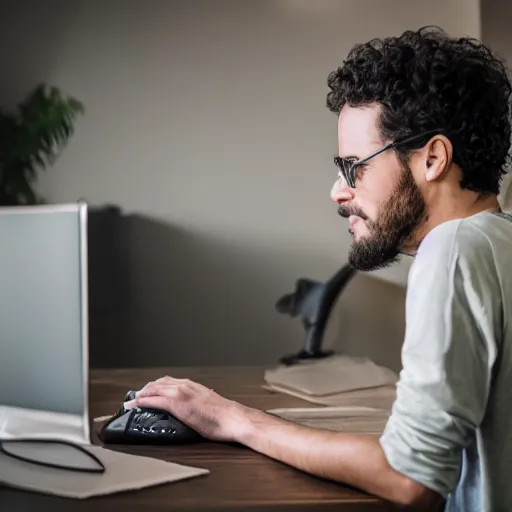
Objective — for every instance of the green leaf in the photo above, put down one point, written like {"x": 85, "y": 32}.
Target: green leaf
{"x": 30, "y": 138}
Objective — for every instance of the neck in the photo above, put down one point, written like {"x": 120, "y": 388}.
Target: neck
{"x": 456, "y": 210}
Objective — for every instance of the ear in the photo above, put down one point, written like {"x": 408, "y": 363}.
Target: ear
{"x": 437, "y": 157}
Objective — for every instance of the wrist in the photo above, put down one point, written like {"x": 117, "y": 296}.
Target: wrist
{"x": 246, "y": 423}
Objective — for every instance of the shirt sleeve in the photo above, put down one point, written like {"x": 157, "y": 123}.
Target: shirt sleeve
{"x": 453, "y": 312}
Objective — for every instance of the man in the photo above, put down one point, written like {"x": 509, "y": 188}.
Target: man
{"x": 424, "y": 132}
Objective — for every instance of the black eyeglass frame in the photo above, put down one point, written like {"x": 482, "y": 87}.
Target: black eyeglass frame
{"x": 348, "y": 166}
{"x": 100, "y": 469}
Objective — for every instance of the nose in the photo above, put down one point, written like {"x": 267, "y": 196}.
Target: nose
{"x": 341, "y": 192}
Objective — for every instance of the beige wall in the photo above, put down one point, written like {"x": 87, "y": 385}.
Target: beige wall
{"x": 206, "y": 120}
{"x": 496, "y": 16}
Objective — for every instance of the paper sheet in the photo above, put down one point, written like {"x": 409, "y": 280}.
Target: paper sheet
{"x": 353, "y": 419}
{"x": 123, "y": 473}
{"x": 381, "y": 397}
{"x": 333, "y": 374}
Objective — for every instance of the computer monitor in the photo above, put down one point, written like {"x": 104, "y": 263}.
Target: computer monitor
{"x": 44, "y": 322}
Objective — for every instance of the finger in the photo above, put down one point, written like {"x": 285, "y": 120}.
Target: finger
{"x": 150, "y": 383}
{"x": 172, "y": 380}
{"x": 149, "y": 388}
{"x": 144, "y": 389}
{"x": 158, "y": 390}
{"x": 154, "y": 402}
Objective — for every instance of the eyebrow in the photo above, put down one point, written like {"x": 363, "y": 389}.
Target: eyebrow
{"x": 378, "y": 145}
{"x": 350, "y": 157}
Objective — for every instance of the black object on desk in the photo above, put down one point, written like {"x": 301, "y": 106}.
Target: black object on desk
{"x": 53, "y": 453}
{"x": 146, "y": 426}
{"x": 313, "y": 302}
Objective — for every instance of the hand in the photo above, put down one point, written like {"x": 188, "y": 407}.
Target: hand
{"x": 201, "y": 408}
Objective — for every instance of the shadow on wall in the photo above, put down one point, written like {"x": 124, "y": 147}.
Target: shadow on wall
{"x": 160, "y": 296}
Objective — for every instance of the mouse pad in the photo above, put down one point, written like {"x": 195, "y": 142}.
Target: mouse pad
{"x": 123, "y": 473}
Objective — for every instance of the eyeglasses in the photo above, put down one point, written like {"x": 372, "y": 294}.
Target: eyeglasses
{"x": 53, "y": 454}
{"x": 348, "y": 166}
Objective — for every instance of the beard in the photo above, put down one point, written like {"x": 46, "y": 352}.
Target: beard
{"x": 393, "y": 229}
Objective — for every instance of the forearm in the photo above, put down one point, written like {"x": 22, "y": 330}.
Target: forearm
{"x": 356, "y": 460}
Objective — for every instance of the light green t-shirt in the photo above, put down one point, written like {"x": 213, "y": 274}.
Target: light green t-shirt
{"x": 451, "y": 424}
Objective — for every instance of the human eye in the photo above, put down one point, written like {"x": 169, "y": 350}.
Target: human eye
{"x": 360, "y": 170}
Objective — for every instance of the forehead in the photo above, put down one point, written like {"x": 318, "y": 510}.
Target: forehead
{"x": 357, "y": 131}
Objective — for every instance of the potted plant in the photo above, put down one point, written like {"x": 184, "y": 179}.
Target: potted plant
{"x": 30, "y": 139}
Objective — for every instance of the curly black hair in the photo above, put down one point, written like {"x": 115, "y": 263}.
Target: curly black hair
{"x": 425, "y": 80}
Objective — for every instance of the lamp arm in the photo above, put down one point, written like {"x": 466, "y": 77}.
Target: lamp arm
{"x": 312, "y": 348}
{"x": 314, "y": 337}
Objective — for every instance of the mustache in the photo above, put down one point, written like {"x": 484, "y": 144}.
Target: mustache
{"x": 347, "y": 211}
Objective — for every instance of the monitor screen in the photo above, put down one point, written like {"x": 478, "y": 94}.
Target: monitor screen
{"x": 43, "y": 300}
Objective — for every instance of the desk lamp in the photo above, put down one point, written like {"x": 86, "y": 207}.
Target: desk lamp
{"x": 313, "y": 302}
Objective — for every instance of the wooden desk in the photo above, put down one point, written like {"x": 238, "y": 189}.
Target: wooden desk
{"x": 240, "y": 479}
